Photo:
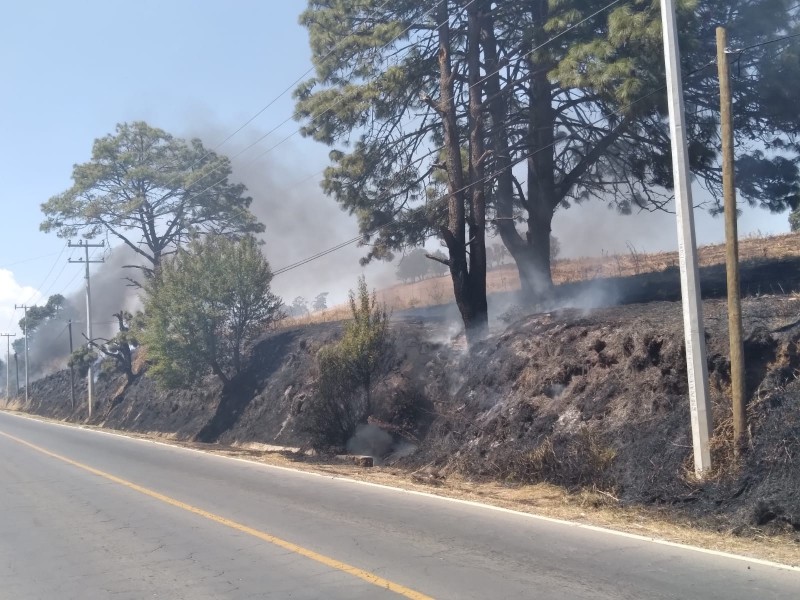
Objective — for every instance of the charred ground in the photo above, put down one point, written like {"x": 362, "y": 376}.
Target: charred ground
{"x": 583, "y": 399}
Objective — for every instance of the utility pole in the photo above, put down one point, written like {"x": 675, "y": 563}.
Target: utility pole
{"x": 71, "y": 369}
{"x": 16, "y": 369}
{"x": 8, "y": 337}
{"x": 731, "y": 245}
{"x": 25, "y": 308}
{"x": 86, "y": 245}
{"x": 694, "y": 333}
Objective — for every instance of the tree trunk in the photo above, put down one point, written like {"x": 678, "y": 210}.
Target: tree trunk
{"x": 531, "y": 252}
{"x": 477, "y": 158}
{"x": 533, "y": 263}
{"x": 469, "y": 287}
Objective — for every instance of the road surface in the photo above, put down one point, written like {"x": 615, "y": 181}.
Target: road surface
{"x": 88, "y": 515}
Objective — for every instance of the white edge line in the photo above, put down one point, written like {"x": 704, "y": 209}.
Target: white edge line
{"x": 471, "y": 503}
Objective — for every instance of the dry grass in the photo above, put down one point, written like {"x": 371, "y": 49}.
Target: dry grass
{"x": 439, "y": 290}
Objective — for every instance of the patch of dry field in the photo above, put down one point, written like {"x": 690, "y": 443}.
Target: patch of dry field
{"x": 439, "y": 290}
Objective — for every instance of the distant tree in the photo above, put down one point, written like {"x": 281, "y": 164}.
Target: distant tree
{"x": 501, "y": 254}
{"x": 320, "y": 302}
{"x": 37, "y": 316}
{"x": 413, "y": 266}
{"x": 153, "y": 192}
{"x": 204, "y": 306}
{"x": 555, "y": 248}
{"x": 299, "y": 307}
{"x": 491, "y": 257}
{"x": 438, "y": 268}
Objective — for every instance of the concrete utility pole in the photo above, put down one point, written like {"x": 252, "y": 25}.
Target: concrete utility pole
{"x": 731, "y": 245}
{"x": 25, "y": 308}
{"x": 86, "y": 245}
{"x": 16, "y": 370}
{"x": 694, "y": 332}
{"x": 8, "y": 337}
{"x": 71, "y": 369}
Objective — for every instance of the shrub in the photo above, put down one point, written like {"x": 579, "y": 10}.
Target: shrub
{"x": 346, "y": 372}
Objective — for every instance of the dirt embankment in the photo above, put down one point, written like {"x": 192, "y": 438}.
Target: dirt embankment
{"x": 582, "y": 399}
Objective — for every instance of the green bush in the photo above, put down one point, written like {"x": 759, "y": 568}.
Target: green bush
{"x": 346, "y": 373}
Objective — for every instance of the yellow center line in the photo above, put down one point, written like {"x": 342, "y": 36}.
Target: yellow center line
{"x": 281, "y": 543}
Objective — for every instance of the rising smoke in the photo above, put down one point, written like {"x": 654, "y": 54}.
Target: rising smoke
{"x": 48, "y": 348}
{"x": 300, "y": 219}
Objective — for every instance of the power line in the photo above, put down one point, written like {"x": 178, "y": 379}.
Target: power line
{"x": 482, "y": 180}
{"x": 340, "y": 99}
{"x": 267, "y": 106}
{"x": 41, "y": 285}
{"x": 285, "y": 139}
{"x": 767, "y": 43}
{"x": 27, "y": 260}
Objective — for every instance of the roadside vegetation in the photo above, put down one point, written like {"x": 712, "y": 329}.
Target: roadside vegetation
{"x": 204, "y": 306}
{"x": 346, "y": 370}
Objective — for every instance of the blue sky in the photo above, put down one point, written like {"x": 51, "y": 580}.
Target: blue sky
{"x": 72, "y": 70}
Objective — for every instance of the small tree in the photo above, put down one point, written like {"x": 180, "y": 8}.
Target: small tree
{"x": 366, "y": 337}
{"x": 347, "y": 370}
{"x": 81, "y": 360}
{"x": 204, "y": 306}
{"x": 120, "y": 348}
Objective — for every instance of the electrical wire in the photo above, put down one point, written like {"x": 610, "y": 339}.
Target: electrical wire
{"x": 767, "y": 43}
{"x": 27, "y": 260}
{"x": 340, "y": 99}
{"x": 269, "y": 104}
{"x": 314, "y": 257}
{"x": 41, "y": 285}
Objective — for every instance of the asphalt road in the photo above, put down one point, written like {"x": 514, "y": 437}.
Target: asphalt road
{"x": 89, "y": 515}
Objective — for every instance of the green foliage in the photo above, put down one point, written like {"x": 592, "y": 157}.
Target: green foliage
{"x": 206, "y": 304}
{"x": 585, "y": 114}
{"x": 81, "y": 360}
{"x": 151, "y": 191}
{"x": 414, "y": 265}
{"x": 120, "y": 348}
{"x": 794, "y": 219}
{"x": 37, "y": 316}
{"x": 346, "y": 372}
{"x": 366, "y": 337}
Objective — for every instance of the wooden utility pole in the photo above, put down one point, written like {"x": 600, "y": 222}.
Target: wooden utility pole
{"x": 25, "y": 308}
{"x": 8, "y": 337}
{"x": 694, "y": 332}
{"x": 731, "y": 246}
{"x": 90, "y": 375}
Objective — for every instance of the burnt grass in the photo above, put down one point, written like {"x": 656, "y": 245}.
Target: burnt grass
{"x": 585, "y": 399}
